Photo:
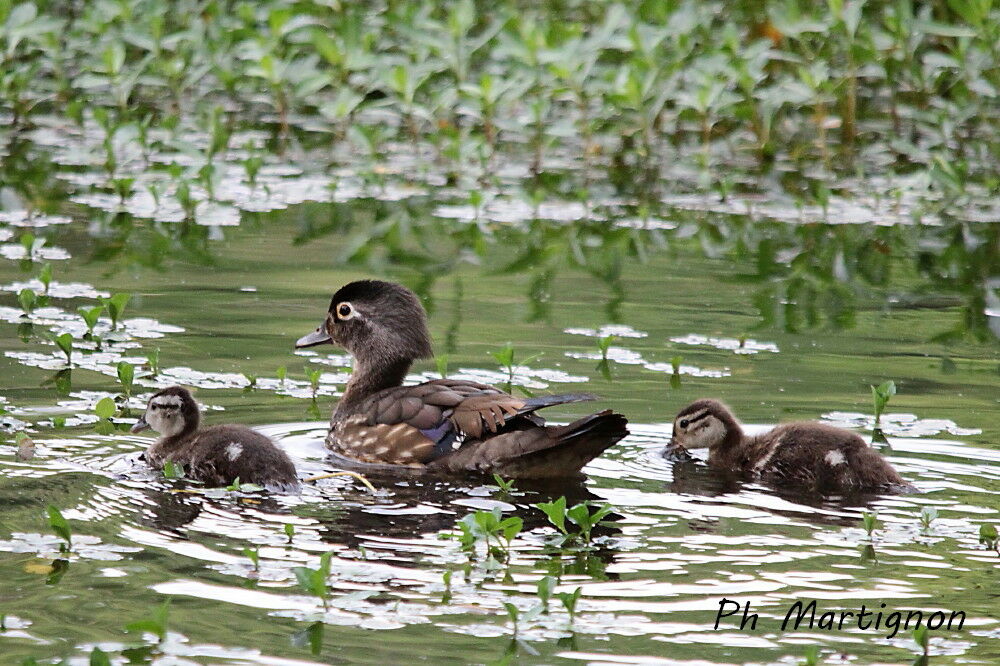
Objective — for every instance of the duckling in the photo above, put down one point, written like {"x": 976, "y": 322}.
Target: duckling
{"x": 819, "y": 456}
{"x": 444, "y": 426}
{"x": 216, "y": 455}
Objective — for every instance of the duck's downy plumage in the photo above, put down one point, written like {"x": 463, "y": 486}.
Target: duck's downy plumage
{"x": 814, "y": 455}
{"x": 447, "y": 426}
{"x": 216, "y": 455}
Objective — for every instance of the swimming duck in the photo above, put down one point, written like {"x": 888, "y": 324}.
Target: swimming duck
{"x": 216, "y": 455}
{"x": 444, "y": 426}
{"x": 816, "y": 455}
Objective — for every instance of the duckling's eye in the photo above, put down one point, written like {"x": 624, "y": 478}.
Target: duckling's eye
{"x": 345, "y": 311}
{"x": 685, "y": 423}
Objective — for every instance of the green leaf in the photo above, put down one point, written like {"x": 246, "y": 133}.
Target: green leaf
{"x": 27, "y": 298}
{"x": 253, "y": 556}
{"x": 556, "y": 513}
{"x": 172, "y": 470}
{"x": 91, "y": 316}
{"x": 505, "y": 356}
{"x": 99, "y": 658}
{"x": 59, "y": 525}
{"x": 441, "y": 362}
{"x": 126, "y": 375}
{"x": 289, "y": 530}
{"x": 45, "y": 276}
{"x": 105, "y": 408}
{"x": 65, "y": 344}
{"x": 155, "y": 624}
{"x": 544, "y": 587}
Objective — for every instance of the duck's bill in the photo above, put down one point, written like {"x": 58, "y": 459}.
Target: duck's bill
{"x": 317, "y": 337}
{"x": 140, "y": 425}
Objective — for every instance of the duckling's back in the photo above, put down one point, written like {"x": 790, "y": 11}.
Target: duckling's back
{"x": 224, "y": 453}
{"x": 826, "y": 458}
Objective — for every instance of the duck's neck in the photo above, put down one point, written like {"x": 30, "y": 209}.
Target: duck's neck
{"x": 370, "y": 377}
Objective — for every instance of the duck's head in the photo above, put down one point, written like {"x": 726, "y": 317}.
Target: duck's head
{"x": 704, "y": 424}
{"x": 169, "y": 412}
{"x": 379, "y": 322}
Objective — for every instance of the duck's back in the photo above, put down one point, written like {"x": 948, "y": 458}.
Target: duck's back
{"x": 453, "y": 426}
{"x": 826, "y": 458}
{"x": 223, "y": 453}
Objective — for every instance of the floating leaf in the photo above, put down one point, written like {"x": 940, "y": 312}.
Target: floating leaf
{"x": 105, "y": 408}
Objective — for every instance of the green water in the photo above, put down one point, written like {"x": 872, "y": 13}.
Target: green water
{"x": 777, "y": 206}
{"x": 685, "y": 538}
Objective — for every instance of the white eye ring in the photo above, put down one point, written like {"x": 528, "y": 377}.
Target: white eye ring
{"x": 344, "y": 311}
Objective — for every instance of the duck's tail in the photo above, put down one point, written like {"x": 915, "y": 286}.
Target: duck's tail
{"x": 539, "y": 452}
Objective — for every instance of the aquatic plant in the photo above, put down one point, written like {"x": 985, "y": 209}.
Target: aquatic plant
{"x": 314, "y": 376}
{"x": 505, "y": 487}
{"x": 928, "y": 515}
{"x": 99, "y": 657}
{"x": 289, "y": 529}
{"x": 155, "y": 623}
{"x": 58, "y": 524}
{"x": 45, "y": 277}
{"x": 569, "y": 601}
{"x": 492, "y": 529}
{"x": 579, "y": 515}
{"x": 153, "y": 361}
{"x": 28, "y": 300}
{"x": 282, "y": 374}
{"x": 115, "y": 305}
{"x": 921, "y": 636}
{"x": 988, "y": 536}
{"x": 90, "y": 317}
{"x": 513, "y": 614}
{"x": 543, "y": 589}
{"x": 880, "y": 398}
{"x": 870, "y": 521}
{"x": 811, "y": 656}
{"x": 172, "y": 470}
{"x": 126, "y": 377}
{"x": 313, "y": 581}
{"x": 253, "y": 555}
{"x": 64, "y": 341}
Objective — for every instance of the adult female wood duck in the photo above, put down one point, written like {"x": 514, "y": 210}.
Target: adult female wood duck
{"x": 446, "y": 426}
{"x": 216, "y": 455}
{"x": 814, "y": 455}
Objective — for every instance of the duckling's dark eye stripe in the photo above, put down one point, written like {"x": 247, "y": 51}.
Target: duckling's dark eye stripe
{"x": 698, "y": 417}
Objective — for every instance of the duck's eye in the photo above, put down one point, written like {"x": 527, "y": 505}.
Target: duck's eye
{"x": 685, "y": 423}
{"x": 345, "y": 311}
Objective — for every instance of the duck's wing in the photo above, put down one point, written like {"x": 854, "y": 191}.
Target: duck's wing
{"x": 414, "y": 425}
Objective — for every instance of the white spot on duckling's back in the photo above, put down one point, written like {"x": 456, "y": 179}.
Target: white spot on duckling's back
{"x": 834, "y": 458}
{"x": 234, "y": 450}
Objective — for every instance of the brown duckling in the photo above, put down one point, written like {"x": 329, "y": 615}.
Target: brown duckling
{"x": 815, "y": 455}
{"x": 216, "y": 455}
{"x": 445, "y": 426}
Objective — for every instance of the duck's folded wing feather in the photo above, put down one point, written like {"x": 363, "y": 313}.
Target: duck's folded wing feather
{"x": 417, "y": 424}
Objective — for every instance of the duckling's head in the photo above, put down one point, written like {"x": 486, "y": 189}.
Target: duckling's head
{"x": 169, "y": 412}
{"x": 703, "y": 424}
{"x": 377, "y": 322}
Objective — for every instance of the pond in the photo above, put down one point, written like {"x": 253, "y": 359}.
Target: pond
{"x": 786, "y": 301}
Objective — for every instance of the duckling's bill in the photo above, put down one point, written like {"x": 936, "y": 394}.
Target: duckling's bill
{"x": 140, "y": 425}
